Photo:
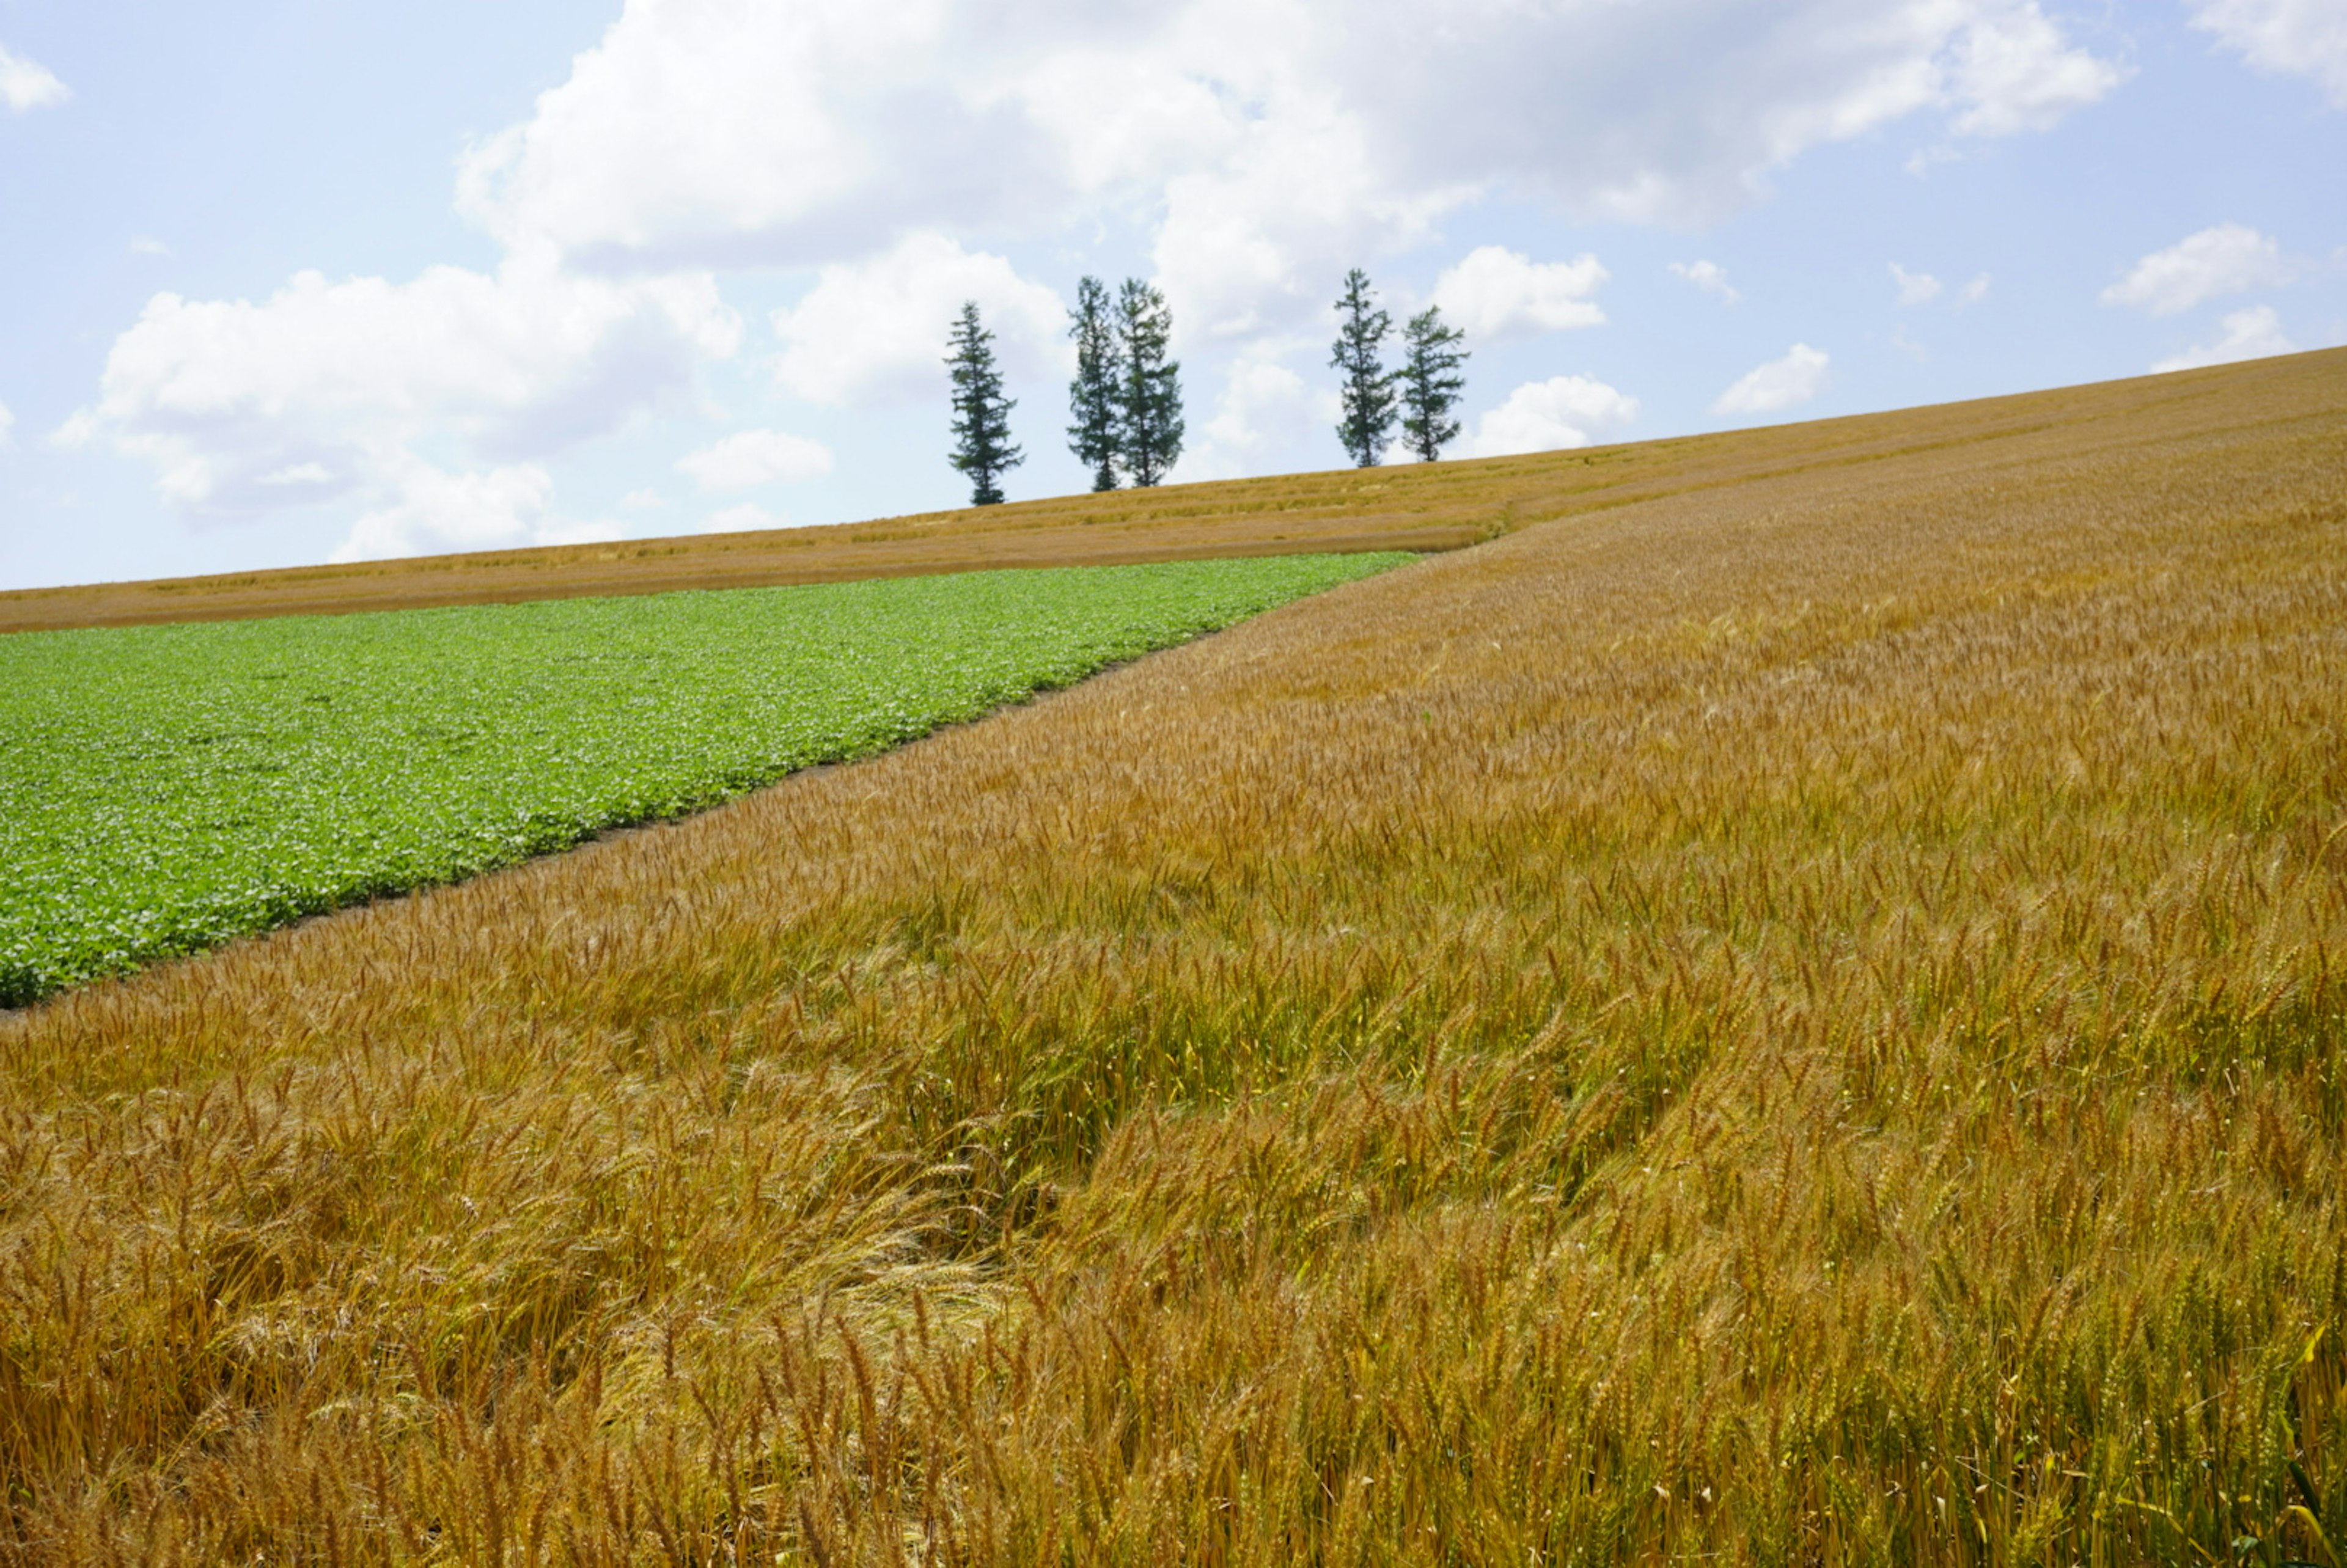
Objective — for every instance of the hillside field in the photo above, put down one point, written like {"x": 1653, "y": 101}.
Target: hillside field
{"x": 1786, "y": 1008}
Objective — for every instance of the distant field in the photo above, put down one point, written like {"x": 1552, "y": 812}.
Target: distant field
{"x": 1790, "y": 1011}
{"x": 1406, "y": 506}
{"x": 169, "y": 788}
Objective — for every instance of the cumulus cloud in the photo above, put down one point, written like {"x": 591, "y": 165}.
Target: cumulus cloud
{"x": 2009, "y": 71}
{"x": 1780, "y": 383}
{"x": 752, "y": 457}
{"x": 1256, "y": 241}
{"x": 27, "y": 85}
{"x": 1496, "y": 293}
{"x": 1708, "y": 276}
{"x": 443, "y": 511}
{"x": 747, "y": 518}
{"x": 878, "y": 328}
{"x": 2300, "y": 38}
{"x": 2252, "y": 333}
{"x": 1278, "y": 137}
{"x": 1548, "y": 415}
{"x": 326, "y": 390}
{"x": 2228, "y": 259}
{"x": 1914, "y": 288}
{"x": 1265, "y": 407}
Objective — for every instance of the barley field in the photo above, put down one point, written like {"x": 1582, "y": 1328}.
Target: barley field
{"x": 1790, "y": 1014}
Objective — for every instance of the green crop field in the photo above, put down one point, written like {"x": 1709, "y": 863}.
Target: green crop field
{"x": 169, "y": 788}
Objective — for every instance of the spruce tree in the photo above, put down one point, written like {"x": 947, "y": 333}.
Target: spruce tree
{"x": 981, "y": 423}
{"x": 1096, "y": 437}
{"x": 1369, "y": 392}
{"x": 1149, "y": 403}
{"x": 1430, "y": 383}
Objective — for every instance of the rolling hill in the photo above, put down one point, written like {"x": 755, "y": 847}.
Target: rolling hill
{"x": 1787, "y": 1007}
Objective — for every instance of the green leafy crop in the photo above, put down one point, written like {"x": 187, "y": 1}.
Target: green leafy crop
{"x": 165, "y": 789}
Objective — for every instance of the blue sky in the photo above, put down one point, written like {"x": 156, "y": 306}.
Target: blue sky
{"x": 293, "y": 281}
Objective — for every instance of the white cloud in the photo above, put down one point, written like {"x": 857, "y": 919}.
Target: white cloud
{"x": 878, "y": 328}
{"x": 1780, "y": 383}
{"x": 1265, "y": 408}
{"x": 2302, "y": 37}
{"x": 644, "y": 500}
{"x": 747, "y": 518}
{"x": 2252, "y": 333}
{"x": 703, "y": 121}
{"x": 147, "y": 245}
{"x": 1548, "y": 415}
{"x": 1914, "y": 288}
{"x": 563, "y": 531}
{"x": 325, "y": 391}
{"x": 8, "y": 424}
{"x": 752, "y": 458}
{"x": 2228, "y": 259}
{"x": 1708, "y": 276}
{"x": 1496, "y": 293}
{"x": 1278, "y": 138}
{"x": 438, "y": 512}
{"x": 2010, "y": 72}
{"x": 1258, "y": 242}
{"x": 27, "y": 85}
{"x": 1973, "y": 292}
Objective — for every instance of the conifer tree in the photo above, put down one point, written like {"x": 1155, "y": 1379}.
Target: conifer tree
{"x": 981, "y": 423}
{"x": 1367, "y": 425}
{"x": 1149, "y": 405}
{"x": 1430, "y": 383}
{"x": 1097, "y": 438}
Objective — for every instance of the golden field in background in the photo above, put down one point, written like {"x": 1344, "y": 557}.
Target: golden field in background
{"x": 1789, "y": 1009}
{"x": 1414, "y": 506}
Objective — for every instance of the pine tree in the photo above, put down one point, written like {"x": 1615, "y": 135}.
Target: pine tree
{"x": 1149, "y": 403}
{"x": 1430, "y": 383}
{"x": 981, "y": 423}
{"x": 1369, "y": 392}
{"x": 1096, "y": 437}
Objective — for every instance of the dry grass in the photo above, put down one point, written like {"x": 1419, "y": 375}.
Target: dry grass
{"x": 1797, "y": 1021}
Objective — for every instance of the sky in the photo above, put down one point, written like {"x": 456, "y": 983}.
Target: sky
{"x": 284, "y": 281}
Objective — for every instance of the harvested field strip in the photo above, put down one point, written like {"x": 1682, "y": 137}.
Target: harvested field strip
{"x": 1797, "y": 1022}
{"x": 1413, "y": 506}
{"x": 170, "y": 788}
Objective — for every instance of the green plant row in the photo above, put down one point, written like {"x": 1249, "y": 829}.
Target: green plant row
{"x": 167, "y": 789}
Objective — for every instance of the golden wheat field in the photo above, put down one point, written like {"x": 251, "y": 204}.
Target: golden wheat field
{"x": 1792, "y": 1013}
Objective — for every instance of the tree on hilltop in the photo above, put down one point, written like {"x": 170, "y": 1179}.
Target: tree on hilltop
{"x": 1097, "y": 436}
{"x": 1430, "y": 383}
{"x": 1149, "y": 403}
{"x": 981, "y": 423}
{"x": 1367, "y": 425}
